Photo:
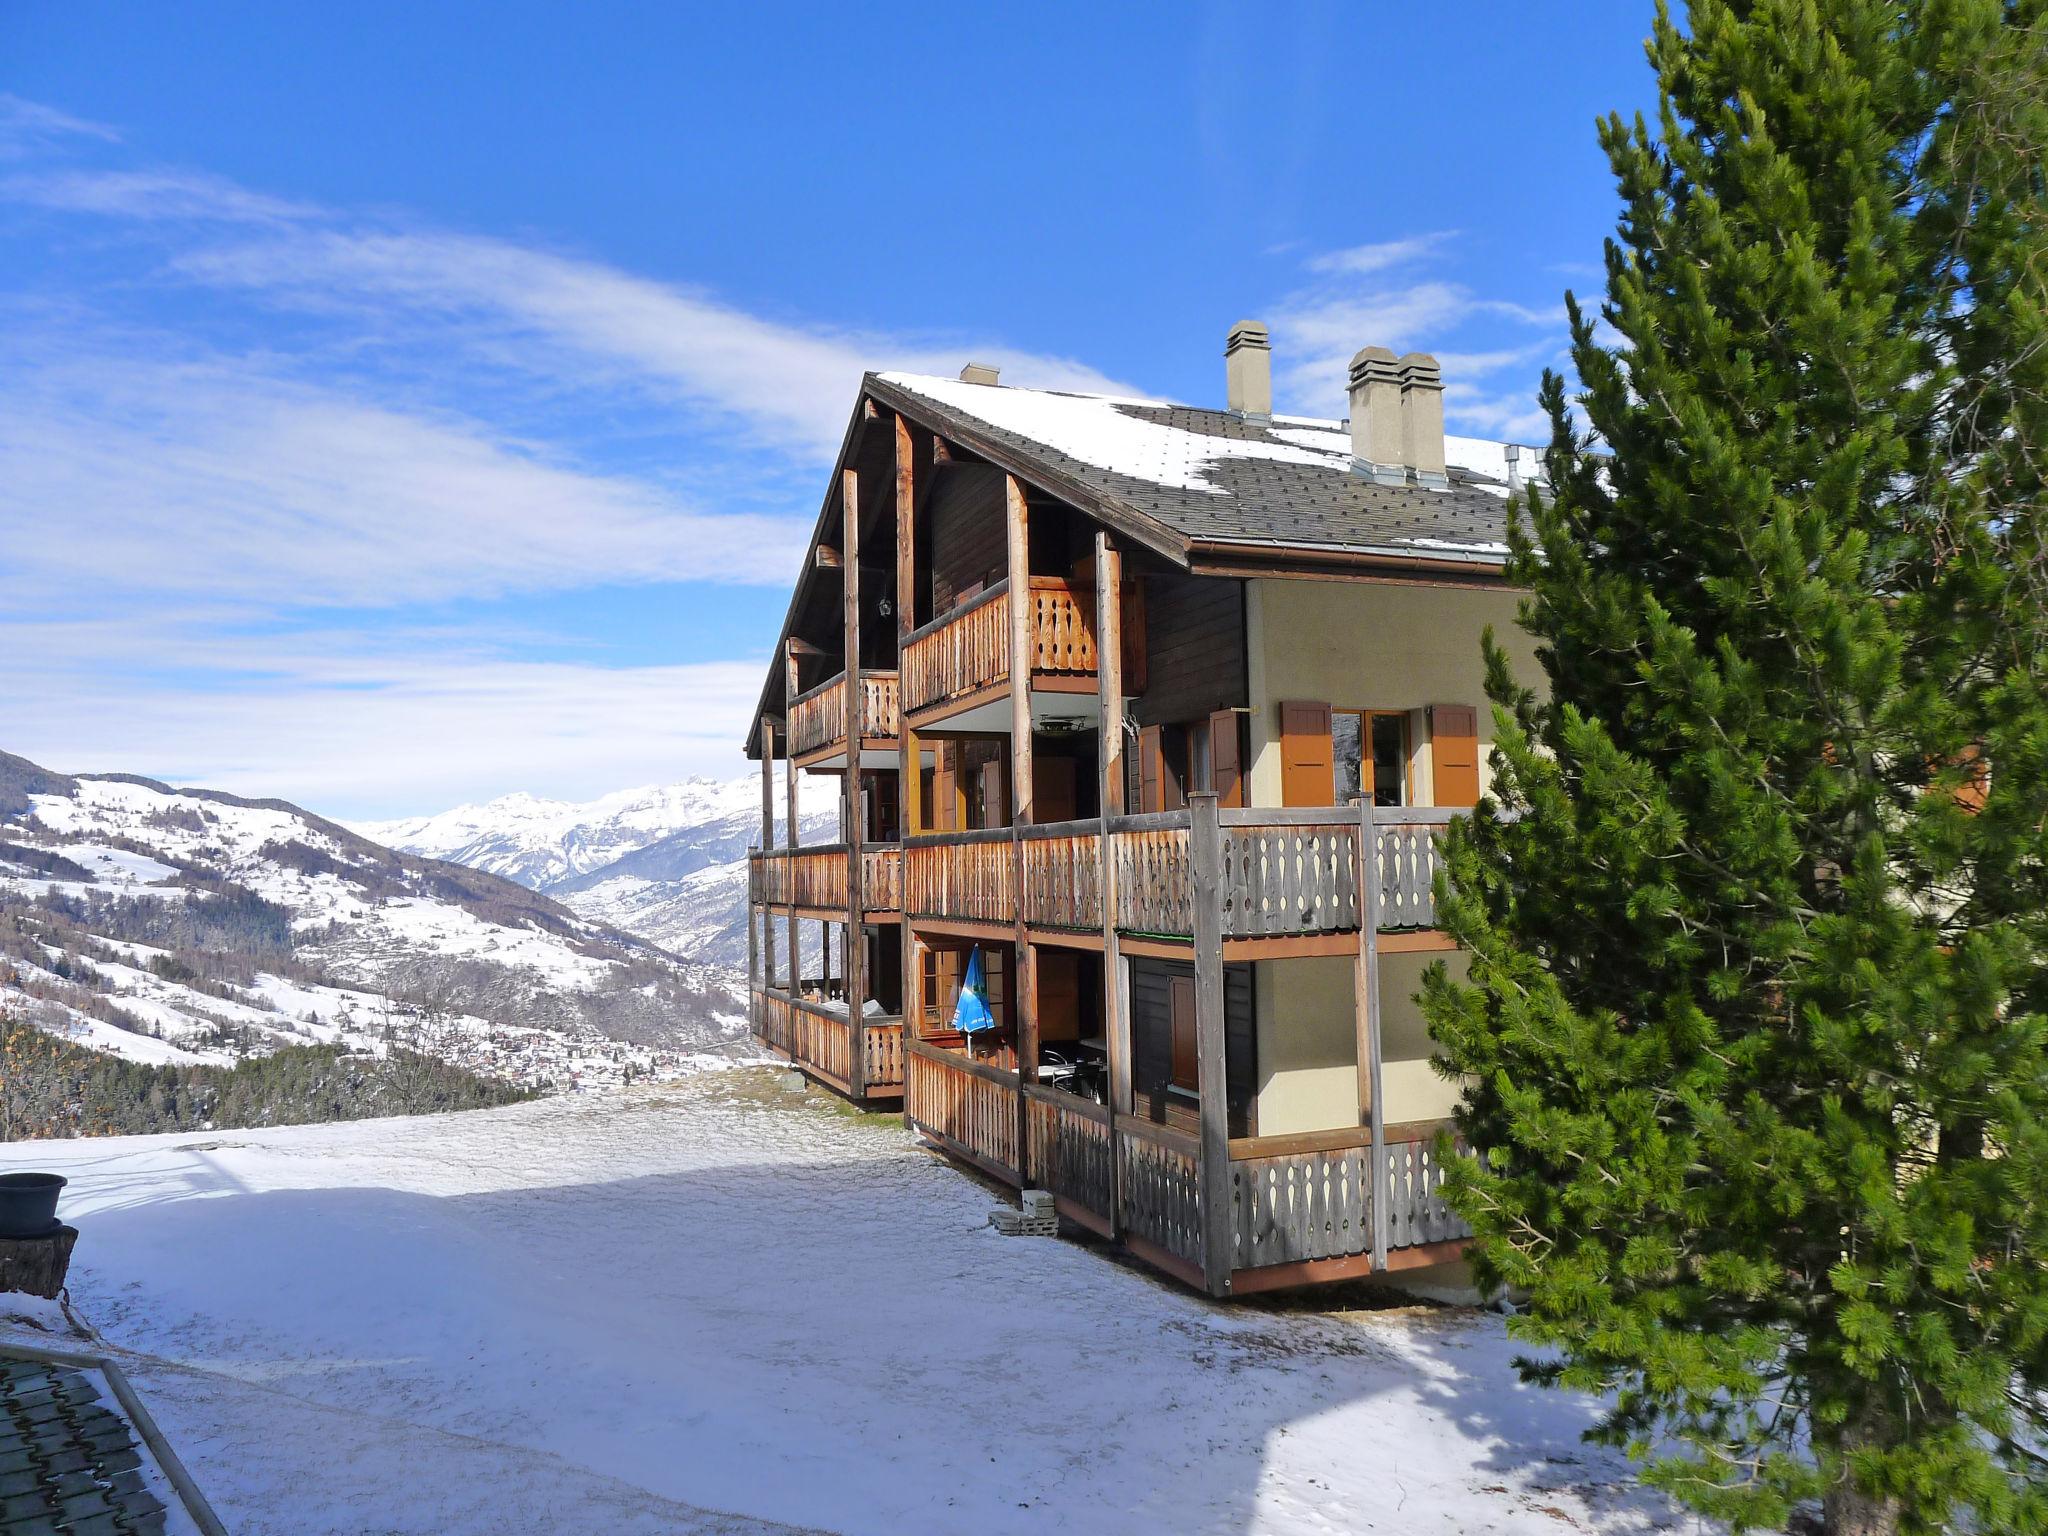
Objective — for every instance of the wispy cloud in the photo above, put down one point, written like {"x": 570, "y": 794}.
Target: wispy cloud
{"x": 1405, "y": 294}
{"x": 26, "y": 126}
{"x": 377, "y": 732}
{"x": 242, "y": 415}
{"x": 166, "y": 482}
{"x": 1362, "y": 260}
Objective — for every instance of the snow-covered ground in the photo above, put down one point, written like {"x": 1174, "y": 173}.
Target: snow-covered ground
{"x": 624, "y": 1311}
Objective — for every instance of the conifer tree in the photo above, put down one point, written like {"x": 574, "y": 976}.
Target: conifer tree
{"x": 1756, "y": 1014}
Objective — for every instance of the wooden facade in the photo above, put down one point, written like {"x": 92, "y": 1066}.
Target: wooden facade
{"x": 985, "y": 804}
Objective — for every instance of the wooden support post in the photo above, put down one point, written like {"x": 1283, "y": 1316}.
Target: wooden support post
{"x": 856, "y": 932}
{"x": 1205, "y": 858}
{"x": 1025, "y": 981}
{"x": 1109, "y": 693}
{"x": 1367, "y": 1011}
{"x": 909, "y": 755}
{"x": 789, "y": 834}
{"x": 765, "y": 915}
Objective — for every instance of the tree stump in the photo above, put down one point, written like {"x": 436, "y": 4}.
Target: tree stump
{"x": 37, "y": 1265}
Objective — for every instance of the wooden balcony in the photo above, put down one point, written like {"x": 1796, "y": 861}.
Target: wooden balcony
{"x": 817, "y": 718}
{"x": 1286, "y": 875}
{"x": 817, "y": 1037}
{"x": 962, "y": 658}
{"x": 814, "y": 880}
{"x": 1300, "y": 1207}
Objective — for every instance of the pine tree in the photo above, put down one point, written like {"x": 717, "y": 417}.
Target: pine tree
{"x": 1756, "y": 1014}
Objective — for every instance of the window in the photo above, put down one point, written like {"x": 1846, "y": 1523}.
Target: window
{"x": 1370, "y": 747}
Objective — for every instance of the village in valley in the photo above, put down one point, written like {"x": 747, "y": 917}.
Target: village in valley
{"x": 794, "y": 772}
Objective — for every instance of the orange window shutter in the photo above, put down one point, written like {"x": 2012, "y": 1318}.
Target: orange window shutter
{"x": 1976, "y": 787}
{"x": 1151, "y": 770}
{"x": 1454, "y": 753}
{"x": 1308, "y": 773}
{"x": 1226, "y": 758}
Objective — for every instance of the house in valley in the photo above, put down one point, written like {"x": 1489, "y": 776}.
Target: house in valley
{"x": 1147, "y": 720}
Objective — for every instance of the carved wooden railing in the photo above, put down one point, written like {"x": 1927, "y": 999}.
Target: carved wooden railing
{"x": 1162, "y": 1182}
{"x": 1312, "y": 1203}
{"x": 1070, "y": 1148}
{"x": 802, "y": 877}
{"x": 881, "y": 879}
{"x": 968, "y": 649}
{"x": 882, "y": 1048}
{"x": 1416, "y": 1210}
{"x": 1290, "y": 872}
{"x": 1407, "y": 844}
{"x": 1300, "y": 1198}
{"x": 962, "y": 1102}
{"x": 817, "y": 716}
{"x": 1155, "y": 881}
{"x": 1063, "y": 874}
{"x": 819, "y": 1037}
{"x": 958, "y": 653}
{"x": 967, "y": 876}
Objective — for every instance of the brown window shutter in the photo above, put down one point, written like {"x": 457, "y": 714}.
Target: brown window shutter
{"x": 1226, "y": 758}
{"x": 1151, "y": 770}
{"x": 945, "y": 808}
{"x": 1181, "y": 1009}
{"x": 1454, "y": 753}
{"x": 1307, "y": 774}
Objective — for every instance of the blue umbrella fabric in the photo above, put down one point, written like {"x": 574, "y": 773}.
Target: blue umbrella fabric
{"x": 970, "y": 1013}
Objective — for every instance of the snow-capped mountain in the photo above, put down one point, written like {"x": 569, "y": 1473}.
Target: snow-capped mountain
{"x": 665, "y": 862}
{"x": 183, "y": 925}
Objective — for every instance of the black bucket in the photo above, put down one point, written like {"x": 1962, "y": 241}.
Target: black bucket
{"x": 28, "y": 1203}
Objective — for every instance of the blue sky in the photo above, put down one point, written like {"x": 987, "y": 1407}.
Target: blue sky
{"x": 408, "y": 404}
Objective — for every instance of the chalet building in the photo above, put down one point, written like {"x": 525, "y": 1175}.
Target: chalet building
{"x": 1147, "y": 720}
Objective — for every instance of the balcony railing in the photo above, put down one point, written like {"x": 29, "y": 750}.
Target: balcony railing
{"x": 881, "y": 879}
{"x": 818, "y": 1036}
{"x": 966, "y": 876}
{"x": 817, "y": 717}
{"x": 814, "y": 877}
{"x": 1284, "y": 873}
{"x": 1293, "y": 1203}
{"x": 964, "y": 652}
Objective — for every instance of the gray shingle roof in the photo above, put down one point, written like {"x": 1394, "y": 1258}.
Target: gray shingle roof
{"x": 1214, "y": 475}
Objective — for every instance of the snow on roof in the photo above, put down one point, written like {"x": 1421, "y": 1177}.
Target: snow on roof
{"x": 1212, "y": 474}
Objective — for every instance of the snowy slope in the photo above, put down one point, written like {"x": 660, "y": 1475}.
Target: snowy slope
{"x": 173, "y": 925}
{"x": 621, "y": 1312}
{"x": 666, "y": 862}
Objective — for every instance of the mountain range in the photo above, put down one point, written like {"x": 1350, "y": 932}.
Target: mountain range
{"x": 666, "y": 862}
{"x": 189, "y": 926}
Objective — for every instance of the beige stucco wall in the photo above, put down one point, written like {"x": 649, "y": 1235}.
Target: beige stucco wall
{"x": 1357, "y": 645}
{"x": 1308, "y": 1059}
{"x": 1411, "y": 1085}
{"x": 1308, "y": 1072}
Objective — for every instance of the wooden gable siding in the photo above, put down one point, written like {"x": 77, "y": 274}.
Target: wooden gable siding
{"x": 967, "y": 531}
{"x": 1152, "y": 1036}
{"x": 1194, "y": 643}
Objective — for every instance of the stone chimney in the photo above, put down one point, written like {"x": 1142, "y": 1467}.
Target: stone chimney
{"x": 1376, "y": 417}
{"x": 1422, "y": 421}
{"x": 1248, "y": 370}
{"x": 978, "y": 373}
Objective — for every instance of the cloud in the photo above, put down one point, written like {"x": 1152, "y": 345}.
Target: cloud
{"x": 1361, "y": 296}
{"x": 1362, "y": 260}
{"x": 27, "y": 126}
{"x": 786, "y": 383}
{"x": 180, "y": 481}
{"x": 383, "y": 733}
